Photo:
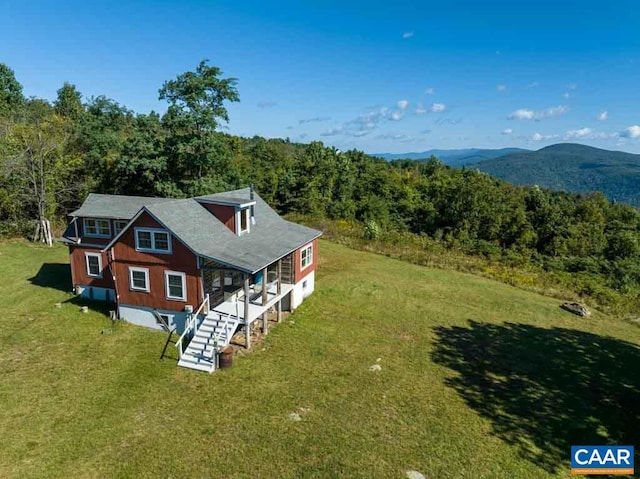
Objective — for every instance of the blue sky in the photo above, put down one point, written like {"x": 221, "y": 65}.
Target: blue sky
{"x": 378, "y": 76}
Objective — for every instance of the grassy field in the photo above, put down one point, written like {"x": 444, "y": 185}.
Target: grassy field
{"x": 477, "y": 379}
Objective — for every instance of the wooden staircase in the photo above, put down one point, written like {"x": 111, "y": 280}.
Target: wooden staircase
{"x": 215, "y": 332}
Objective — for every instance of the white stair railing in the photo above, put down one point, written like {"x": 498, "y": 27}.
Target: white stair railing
{"x": 191, "y": 325}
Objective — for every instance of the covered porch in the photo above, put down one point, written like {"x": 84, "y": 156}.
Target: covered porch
{"x": 244, "y": 298}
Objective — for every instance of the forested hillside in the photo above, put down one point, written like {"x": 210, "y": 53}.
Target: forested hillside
{"x": 453, "y": 157}
{"x": 571, "y": 167}
{"x": 53, "y": 154}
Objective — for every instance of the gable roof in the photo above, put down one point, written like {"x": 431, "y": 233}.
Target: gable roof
{"x": 270, "y": 239}
{"x": 115, "y": 206}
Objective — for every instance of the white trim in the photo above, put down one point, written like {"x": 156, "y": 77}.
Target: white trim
{"x": 247, "y": 214}
{"x": 183, "y": 277}
{"x": 95, "y": 235}
{"x": 225, "y": 203}
{"x": 153, "y": 232}
{"x": 86, "y": 263}
{"x": 133, "y": 269}
{"x": 309, "y": 257}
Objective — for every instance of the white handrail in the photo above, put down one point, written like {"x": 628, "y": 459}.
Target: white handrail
{"x": 192, "y": 323}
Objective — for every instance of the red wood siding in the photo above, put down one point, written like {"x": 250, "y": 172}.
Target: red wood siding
{"x": 226, "y": 214}
{"x": 181, "y": 260}
{"x": 300, "y": 274}
{"x": 79, "y": 274}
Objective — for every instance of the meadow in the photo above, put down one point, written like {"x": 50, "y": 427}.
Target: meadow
{"x": 476, "y": 379}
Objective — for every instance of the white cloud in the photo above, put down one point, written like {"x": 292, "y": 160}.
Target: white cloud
{"x": 407, "y": 34}
{"x": 522, "y": 114}
{"x": 366, "y": 122}
{"x": 553, "y": 111}
{"x": 535, "y": 84}
{"x": 501, "y": 87}
{"x": 526, "y": 114}
{"x": 267, "y": 104}
{"x": 586, "y": 134}
{"x": 631, "y": 132}
{"x": 420, "y": 109}
{"x": 333, "y": 132}
{"x": 539, "y": 137}
{"x": 572, "y": 86}
{"x": 566, "y": 95}
{"x": 603, "y": 115}
{"x": 508, "y": 131}
{"x": 430, "y": 91}
{"x": 394, "y": 137}
{"x": 403, "y": 104}
{"x": 316, "y": 119}
{"x": 437, "y": 107}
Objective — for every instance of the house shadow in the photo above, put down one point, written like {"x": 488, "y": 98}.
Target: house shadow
{"x": 545, "y": 389}
{"x": 53, "y": 275}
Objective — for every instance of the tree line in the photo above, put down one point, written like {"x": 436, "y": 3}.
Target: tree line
{"x": 52, "y": 154}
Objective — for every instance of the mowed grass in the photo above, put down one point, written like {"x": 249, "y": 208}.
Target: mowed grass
{"x": 478, "y": 379}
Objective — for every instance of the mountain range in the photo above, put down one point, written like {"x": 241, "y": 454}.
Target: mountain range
{"x": 453, "y": 157}
{"x": 567, "y": 166}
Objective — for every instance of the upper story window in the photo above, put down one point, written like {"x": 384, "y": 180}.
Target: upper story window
{"x": 306, "y": 256}
{"x": 243, "y": 221}
{"x": 153, "y": 240}
{"x": 118, "y": 225}
{"x": 98, "y": 228}
{"x": 94, "y": 264}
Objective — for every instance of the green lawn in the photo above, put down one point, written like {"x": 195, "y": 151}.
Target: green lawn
{"x": 478, "y": 379}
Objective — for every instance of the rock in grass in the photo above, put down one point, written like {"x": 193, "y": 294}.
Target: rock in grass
{"x": 375, "y": 367}
{"x": 294, "y": 416}
{"x": 415, "y": 475}
{"x": 576, "y": 308}
{"x": 58, "y": 305}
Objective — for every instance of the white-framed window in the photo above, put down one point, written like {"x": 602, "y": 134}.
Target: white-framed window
{"x": 153, "y": 240}
{"x": 99, "y": 228}
{"x": 139, "y": 279}
{"x": 118, "y": 225}
{"x": 175, "y": 285}
{"x": 306, "y": 256}
{"x": 94, "y": 264}
{"x": 243, "y": 221}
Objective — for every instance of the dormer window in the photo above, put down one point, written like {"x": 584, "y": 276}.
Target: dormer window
{"x": 244, "y": 221}
{"x": 152, "y": 240}
{"x": 97, "y": 228}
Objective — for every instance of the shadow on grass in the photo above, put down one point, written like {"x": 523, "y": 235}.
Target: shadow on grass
{"x": 103, "y": 307}
{"x": 53, "y": 275}
{"x": 545, "y": 389}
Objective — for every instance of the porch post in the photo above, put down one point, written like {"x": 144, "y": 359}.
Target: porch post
{"x": 279, "y": 278}
{"x": 247, "y": 324}
{"x": 264, "y": 286}
{"x": 265, "y": 322}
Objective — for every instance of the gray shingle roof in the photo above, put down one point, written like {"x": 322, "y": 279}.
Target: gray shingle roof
{"x": 269, "y": 239}
{"x": 115, "y": 206}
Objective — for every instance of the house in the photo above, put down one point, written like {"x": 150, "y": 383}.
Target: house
{"x": 204, "y": 267}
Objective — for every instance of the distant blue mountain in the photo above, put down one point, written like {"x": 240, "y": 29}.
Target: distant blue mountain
{"x": 571, "y": 167}
{"x": 453, "y": 157}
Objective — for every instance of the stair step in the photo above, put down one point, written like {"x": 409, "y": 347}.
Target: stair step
{"x": 208, "y": 368}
